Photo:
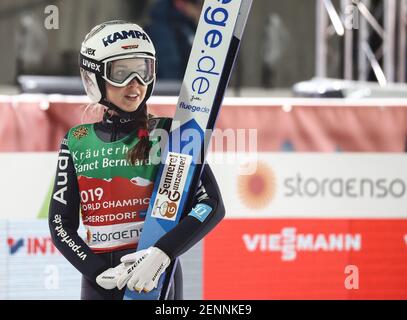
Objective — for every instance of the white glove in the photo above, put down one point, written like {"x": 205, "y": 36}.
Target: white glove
{"x": 131, "y": 261}
{"x": 108, "y": 278}
{"x": 145, "y": 275}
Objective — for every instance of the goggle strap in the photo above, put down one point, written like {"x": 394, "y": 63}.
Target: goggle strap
{"x": 91, "y": 65}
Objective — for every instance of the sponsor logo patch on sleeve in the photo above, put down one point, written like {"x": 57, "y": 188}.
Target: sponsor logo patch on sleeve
{"x": 200, "y": 211}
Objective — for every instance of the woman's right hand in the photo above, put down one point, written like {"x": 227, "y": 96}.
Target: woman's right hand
{"x": 108, "y": 279}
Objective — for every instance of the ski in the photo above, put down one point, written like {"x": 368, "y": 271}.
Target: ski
{"x": 210, "y": 65}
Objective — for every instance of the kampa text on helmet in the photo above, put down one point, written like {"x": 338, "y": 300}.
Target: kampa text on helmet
{"x": 122, "y": 35}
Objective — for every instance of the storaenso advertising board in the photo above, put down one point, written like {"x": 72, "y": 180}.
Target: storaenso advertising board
{"x": 317, "y": 185}
{"x": 213, "y": 53}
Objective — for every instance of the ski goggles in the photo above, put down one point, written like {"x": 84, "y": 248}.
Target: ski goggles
{"x": 119, "y": 72}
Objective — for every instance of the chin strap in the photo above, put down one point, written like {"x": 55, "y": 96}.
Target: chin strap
{"x": 123, "y": 115}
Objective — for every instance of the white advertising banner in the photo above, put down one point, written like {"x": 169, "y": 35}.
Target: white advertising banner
{"x": 26, "y": 180}
{"x": 315, "y": 185}
{"x": 31, "y": 267}
{"x": 331, "y": 185}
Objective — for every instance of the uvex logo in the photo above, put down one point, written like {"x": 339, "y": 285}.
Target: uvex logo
{"x": 89, "y": 51}
{"x": 91, "y": 65}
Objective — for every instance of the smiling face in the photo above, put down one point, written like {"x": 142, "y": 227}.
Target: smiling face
{"x": 127, "y": 98}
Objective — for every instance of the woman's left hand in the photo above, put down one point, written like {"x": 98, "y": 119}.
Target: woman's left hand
{"x": 145, "y": 275}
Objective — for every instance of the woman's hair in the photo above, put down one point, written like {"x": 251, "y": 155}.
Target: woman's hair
{"x": 93, "y": 112}
{"x": 142, "y": 149}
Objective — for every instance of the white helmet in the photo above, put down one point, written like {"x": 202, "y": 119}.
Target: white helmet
{"x": 117, "y": 52}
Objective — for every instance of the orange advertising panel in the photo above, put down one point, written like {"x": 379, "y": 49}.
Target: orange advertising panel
{"x": 306, "y": 259}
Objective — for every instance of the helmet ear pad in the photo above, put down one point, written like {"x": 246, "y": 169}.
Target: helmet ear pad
{"x": 151, "y": 86}
{"x": 91, "y": 84}
{"x": 102, "y": 87}
{"x": 149, "y": 92}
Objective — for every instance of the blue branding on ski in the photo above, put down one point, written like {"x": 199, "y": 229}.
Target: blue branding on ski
{"x": 208, "y": 71}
